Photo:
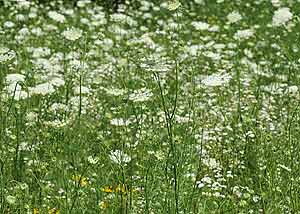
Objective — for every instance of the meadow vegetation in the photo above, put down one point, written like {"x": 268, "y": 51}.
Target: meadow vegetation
{"x": 179, "y": 107}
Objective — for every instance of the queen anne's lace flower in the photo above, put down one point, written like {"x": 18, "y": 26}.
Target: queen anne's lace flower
{"x": 234, "y": 17}
{"x": 6, "y": 54}
{"x": 14, "y": 78}
{"x": 72, "y": 34}
{"x": 200, "y": 25}
{"x": 42, "y": 89}
{"x": 119, "y": 157}
{"x": 216, "y": 80}
{"x": 173, "y": 5}
{"x": 281, "y": 16}
{"x": 243, "y": 34}
{"x": 141, "y": 95}
{"x": 56, "y": 16}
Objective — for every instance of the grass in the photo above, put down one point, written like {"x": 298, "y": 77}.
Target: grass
{"x": 150, "y": 110}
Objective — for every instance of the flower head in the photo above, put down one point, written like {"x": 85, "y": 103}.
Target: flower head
{"x": 72, "y": 34}
{"x": 107, "y": 189}
{"x": 103, "y": 204}
{"x": 243, "y": 34}
{"x": 281, "y": 16}
{"x": 119, "y": 157}
{"x": 11, "y": 199}
{"x": 42, "y": 89}
{"x": 121, "y": 188}
{"x": 173, "y": 5}
{"x": 36, "y": 211}
{"x": 217, "y": 79}
{"x": 234, "y": 17}
{"x": 56, "y": 16}
{"x": 53, "y": 211}
{"x": 82, "y": 181}
{"x": 14, "y": 78}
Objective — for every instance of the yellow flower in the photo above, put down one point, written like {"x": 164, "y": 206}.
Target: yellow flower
{"x": 121, "y": 188}
{"x": 108, "y": 189}
{"x": 133, "y": 190}
{"x": 173, "y": 5}
{"x": 36, "y": 211}
{"x": 83, "y": 181}
{"x": 54, "y": 211}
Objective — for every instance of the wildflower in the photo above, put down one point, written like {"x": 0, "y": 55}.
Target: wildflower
{"x": 42, "y": 89}
{"x": 200, "y": 25}
{"x": 214, "y": 56}
{"x": 173, "y": 5}
{"x": 275, "y": 3}
{"x": 281, "y": 16}
{"x": 121, "y": 188}
{"x": 83, "y": 3}
{"x": 36, "y": 211}
{"x": 92, "y": 160}
{"x": 211, "y": 163}
{"x": 107, "y": 44}
{"x": 56, "y": 16}
{"x": 234, "y": 17}
{"x": 20, "y": 17}
{"x": 9, "y": 24}
{"x": 119, "y": 122}
{"x": 216, "y": 79}
{"x": 159, "y": 155}
{"x": 255, "y": 198}
{"x": 23, "y": 4}
{"x": 119, "y": 157}
{"x": 206, "y": 180}
{"x": 103, "y": 204}
{"x": 53, "y": 211}
{"x": 61, "y": 191}
{"x": 237, "y": 192}
{"x": 14, "y": 78}
{"x": 118, "y": 17}
{"x": 15, "y": 91}
{"x": 57, "y": 82}
{"x": 6, "y": 55}
{"x": 140, "y": 95}
{"x": 243, "y": 34}
{"x": 82, "y": 181}
{"x": 11, "y": 199}
{"x": 107, "y": 189}
{"x": 72, "y": 34}
{"x": 40, "y": 52}
{"x": 293, "y": 89}
{"x": 81, "y": 90}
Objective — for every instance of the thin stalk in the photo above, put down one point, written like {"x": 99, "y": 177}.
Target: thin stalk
{"x": 169, "y": 117}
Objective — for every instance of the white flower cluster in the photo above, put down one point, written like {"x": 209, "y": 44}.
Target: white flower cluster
{"x": 234, "y": 17}
{"x": 119, "y": 157}
{"x": 217, "y": 79}
{"x": 140, "y": 95}
{"x": 56, "y": 16}
{"x": 203, "y": 26}
{"x": 42, "y": 89}
{"x": 119, "y": 122}
{"x": 14, "y": 88}
{"x": 72, "y": 34}
{"x": 243, "y": 34}
{"x": 6, "y": 55}
{"x": 282, "y": 16}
